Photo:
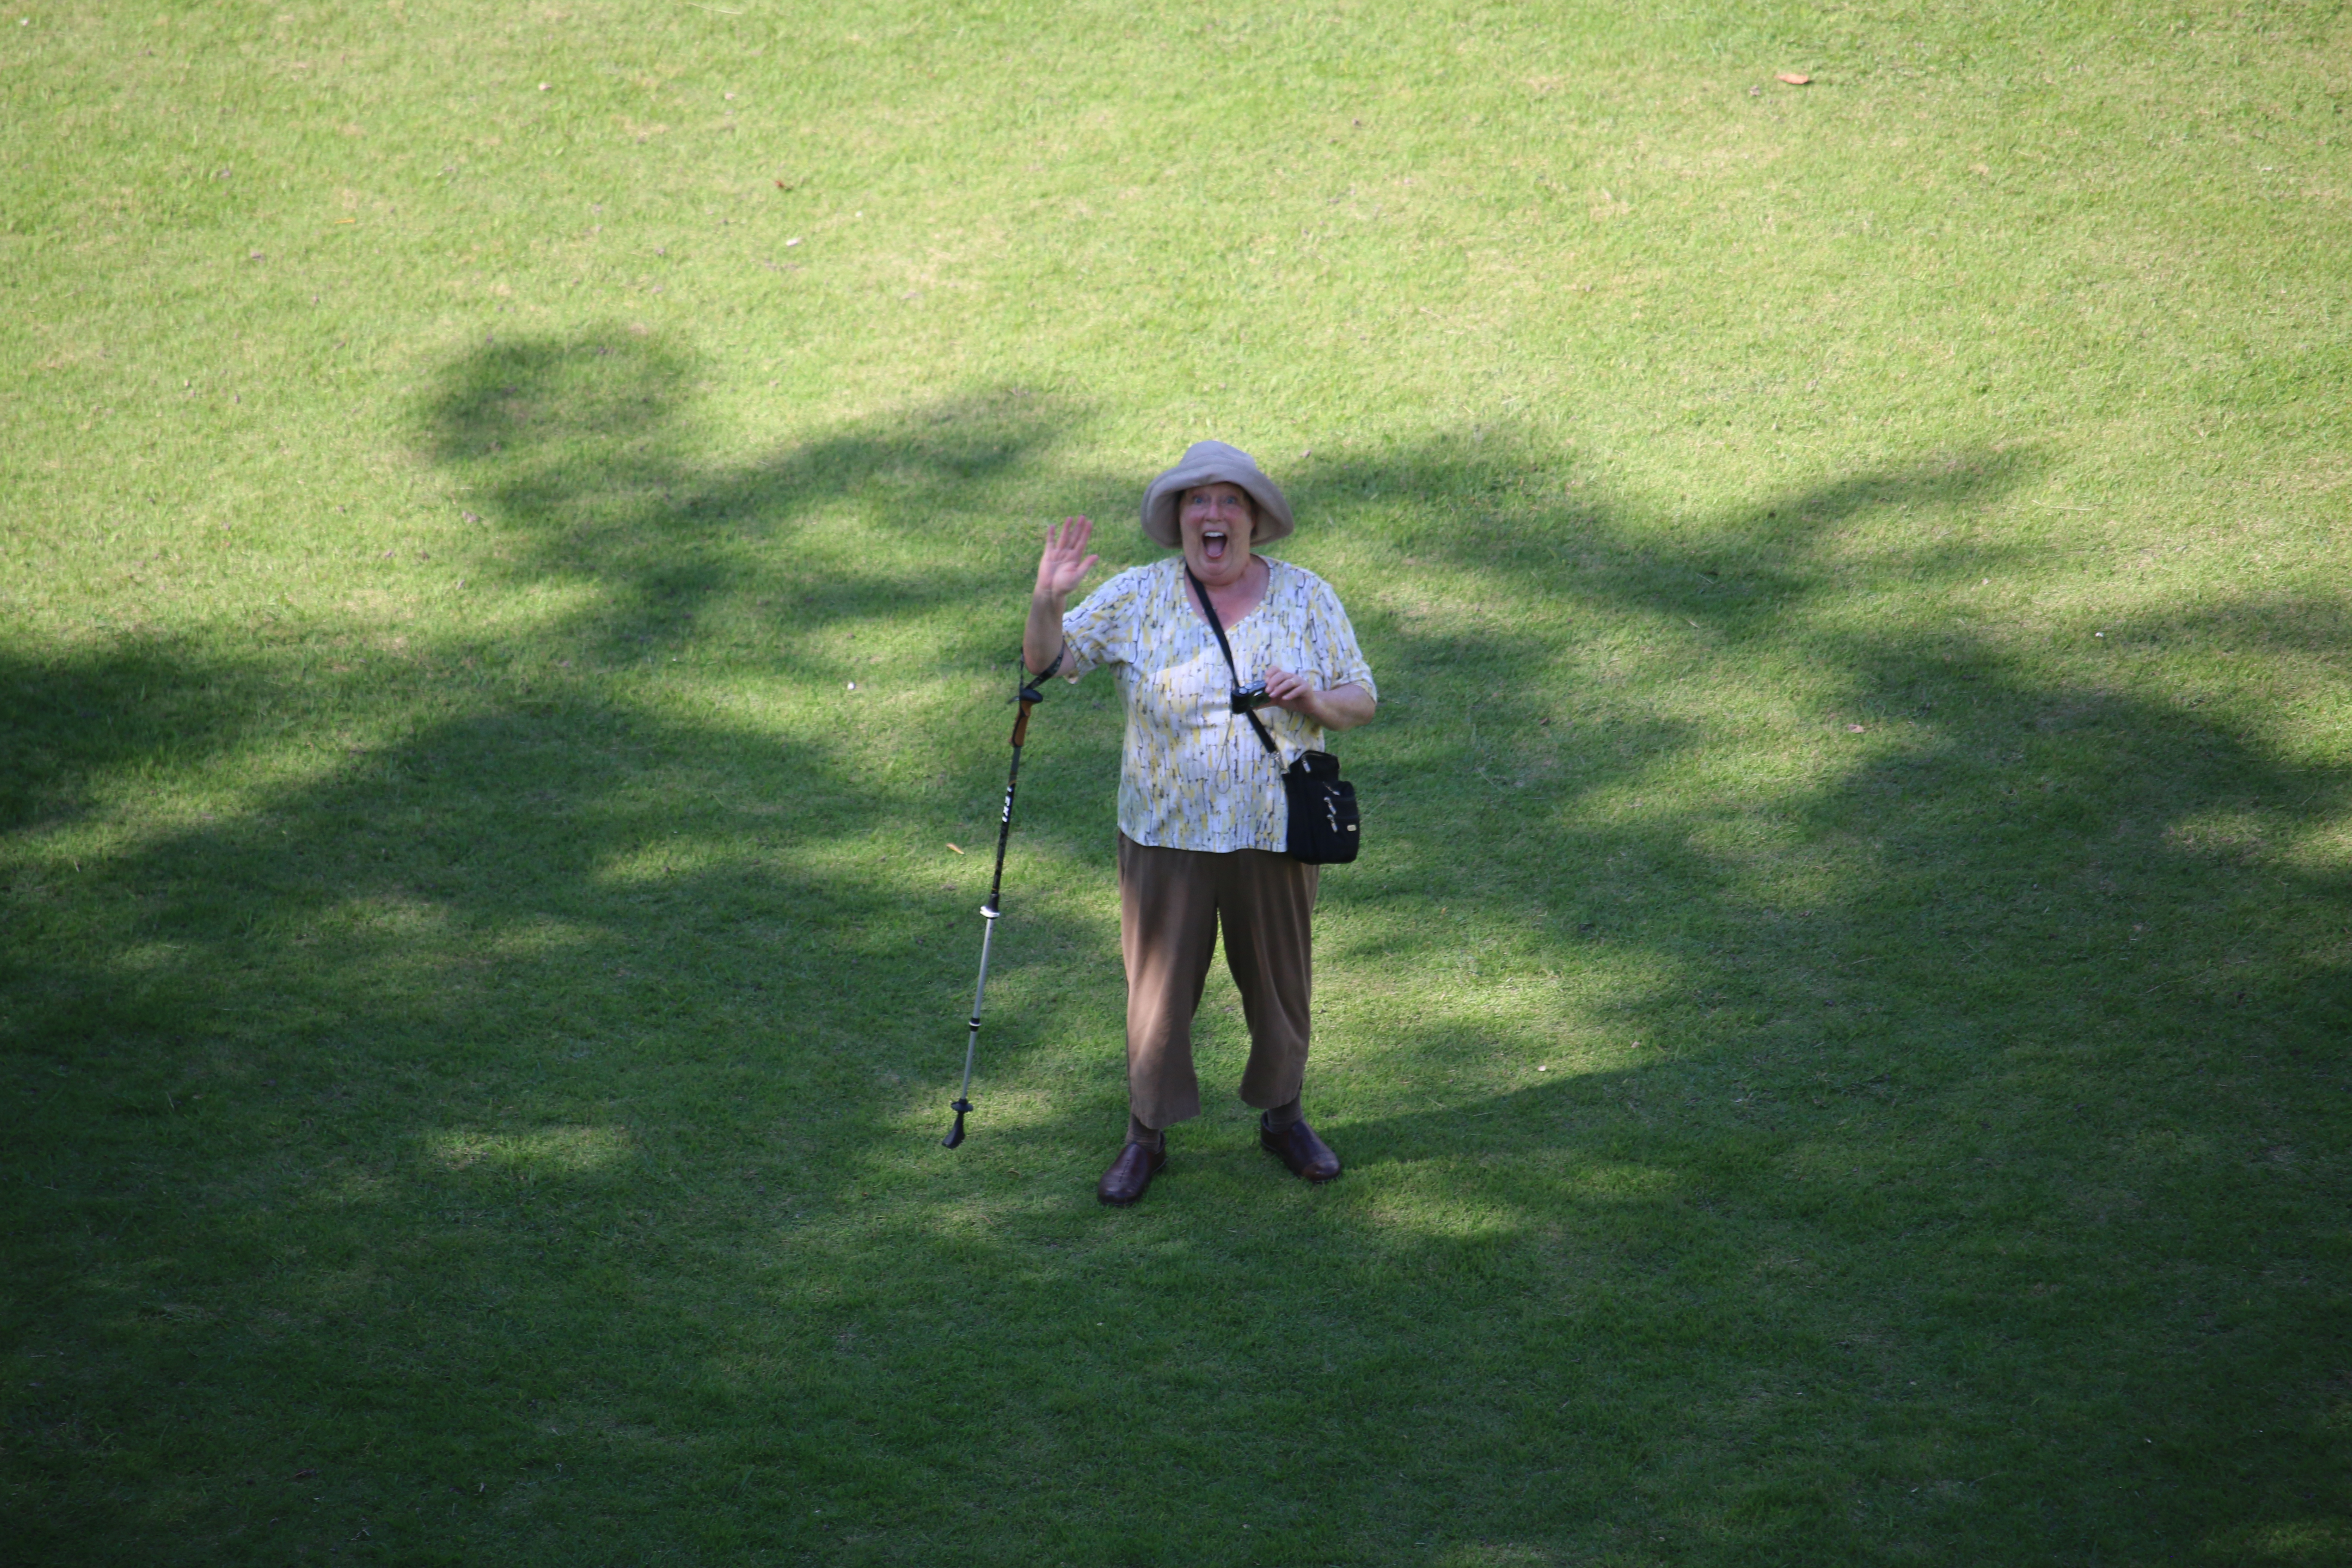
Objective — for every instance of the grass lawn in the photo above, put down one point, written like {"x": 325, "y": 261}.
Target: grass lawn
{"x": 517, "y": 525}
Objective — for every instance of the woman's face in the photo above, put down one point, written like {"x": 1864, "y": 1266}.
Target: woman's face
{"x": 1216, "y": 522}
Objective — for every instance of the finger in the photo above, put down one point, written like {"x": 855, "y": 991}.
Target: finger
{"x": 1088, "y": 565}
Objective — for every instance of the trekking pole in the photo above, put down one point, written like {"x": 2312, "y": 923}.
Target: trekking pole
{"x": 991, "y": 912}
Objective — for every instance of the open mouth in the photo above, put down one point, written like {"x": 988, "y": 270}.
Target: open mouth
{"x": 1213, "y": 543}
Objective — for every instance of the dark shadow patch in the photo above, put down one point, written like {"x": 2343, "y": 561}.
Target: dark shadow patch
{"x": 533, "y": 1088}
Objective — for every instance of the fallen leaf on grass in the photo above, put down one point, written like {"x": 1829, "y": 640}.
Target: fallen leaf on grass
{"x": 957, "y": 847}
{"x": 1853, "y": 729}
{"x": 1795, "y": 78}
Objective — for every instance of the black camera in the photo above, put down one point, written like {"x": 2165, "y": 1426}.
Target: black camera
{"x": 1250, "y": 699}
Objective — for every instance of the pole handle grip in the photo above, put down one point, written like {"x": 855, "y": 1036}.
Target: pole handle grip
{"x": 1021, "y": 725}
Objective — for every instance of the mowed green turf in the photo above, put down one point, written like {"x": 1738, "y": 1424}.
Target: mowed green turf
{"x": 517, "y": 521}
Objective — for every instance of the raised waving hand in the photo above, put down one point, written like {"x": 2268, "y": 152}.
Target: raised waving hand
{"x": 1066, "y": 561}
{"x": 1063, "y": 566}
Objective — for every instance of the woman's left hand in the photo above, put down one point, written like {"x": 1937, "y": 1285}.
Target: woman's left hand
{"x": 1341, "y": 708}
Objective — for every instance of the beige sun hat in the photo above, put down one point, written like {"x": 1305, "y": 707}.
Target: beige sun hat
{"x": 1210, "y": 463}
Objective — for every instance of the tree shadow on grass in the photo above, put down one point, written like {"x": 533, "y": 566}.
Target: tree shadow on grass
{"x": 1961, "y": 1142}
{"x": 69, "y": 727}
{"x": 529, "y": 1100}
{"x": 584, "y": 452}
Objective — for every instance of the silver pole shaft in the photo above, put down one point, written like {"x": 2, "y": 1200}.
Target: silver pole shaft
{"x": 971, "y": 1042}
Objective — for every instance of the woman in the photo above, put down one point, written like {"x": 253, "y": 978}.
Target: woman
{"x": 1201, "y": 814}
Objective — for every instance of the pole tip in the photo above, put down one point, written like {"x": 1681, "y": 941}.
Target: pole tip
{"x": 955, "y": 1133}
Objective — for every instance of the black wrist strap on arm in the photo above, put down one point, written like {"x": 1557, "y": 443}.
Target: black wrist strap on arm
{"x": 1225, "y": 647}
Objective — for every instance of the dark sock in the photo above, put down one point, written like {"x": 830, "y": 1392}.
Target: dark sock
{"x": 1149, "y": 1137}
{"x": 1282, "y": 1116}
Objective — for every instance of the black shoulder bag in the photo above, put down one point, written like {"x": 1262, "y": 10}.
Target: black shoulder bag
{"x": 1323, "y": 820}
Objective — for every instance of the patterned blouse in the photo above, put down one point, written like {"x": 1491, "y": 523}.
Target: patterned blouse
{"x": 1194, "y": 775}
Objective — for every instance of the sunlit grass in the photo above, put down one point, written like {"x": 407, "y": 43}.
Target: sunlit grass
{"x": 552, "y": 1151}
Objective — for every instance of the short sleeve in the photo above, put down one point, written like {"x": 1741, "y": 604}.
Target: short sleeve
{"x": 1333, "y": 637}
{"x": 1103, "y": 629}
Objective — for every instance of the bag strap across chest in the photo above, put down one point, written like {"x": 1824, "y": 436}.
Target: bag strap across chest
{"x": 1225, "y": 647}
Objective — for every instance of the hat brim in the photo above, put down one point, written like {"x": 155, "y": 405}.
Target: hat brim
{"x": 1274, "y": 519}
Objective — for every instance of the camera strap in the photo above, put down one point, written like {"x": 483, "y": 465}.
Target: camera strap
{"x": 1225, "y": 647}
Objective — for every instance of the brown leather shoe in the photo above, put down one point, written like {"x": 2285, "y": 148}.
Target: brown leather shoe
{"x": 1297, "y": 1147}
{"x": 1130, "y": 1174}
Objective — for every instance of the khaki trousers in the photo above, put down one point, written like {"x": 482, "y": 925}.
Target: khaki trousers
{"x": 1171, "y": 905}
